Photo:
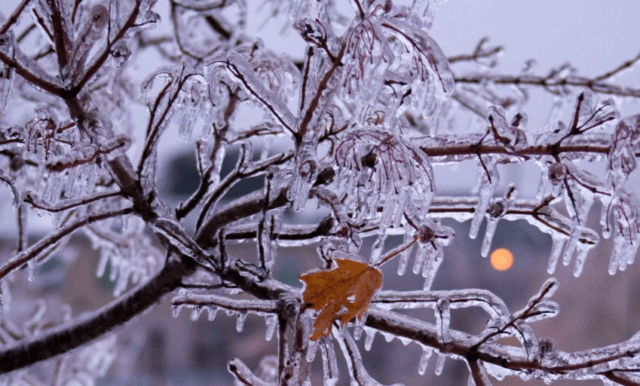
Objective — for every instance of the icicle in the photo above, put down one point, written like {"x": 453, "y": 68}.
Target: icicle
{"x": 271, "y": 320}
{"x": 240, "y": 321}
{"x": 31, "y": 269}
{"x": 211, "y": 312}
{"x": 605, "y": 220}
{"x": 191, "y": 102}
{"x": 489, "y": 181}
{"x": 120, "y": 53}
{"x": 329, "y": 363}
{"x": 195, "y": 313}
{"x": 421, "y": 253}
{"x": 440, "y": 364}
{"x": 404, "y": 256}
{"x": 388, "y": 337}
{"x": 581, "y": 256}
{"x": 175, "y": 309}
{"x": 494, "y": 211}
{"x": 311, "y": 350}
{"x": 443, "y": 319}
{"x": 368, "y": 340}
{"x": 357, "y": 331}
{"x": 431, "y": 265}
{"x": 424, "y": 359}
{"x": 404, "y": 341}
{"x": 7, "y": 76}
{"x": 557, "y": 243}
{"x": 488, "y": 236}
{"x": 7, "y": 73}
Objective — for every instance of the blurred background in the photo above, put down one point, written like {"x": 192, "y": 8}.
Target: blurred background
{"x": 596, "y": 309}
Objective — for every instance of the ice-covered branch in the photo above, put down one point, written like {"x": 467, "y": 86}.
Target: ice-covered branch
{"x": 551, "y": 83}
{"x": 87, "y": 328}
{"x": 33, "y": 252}
{"x": 14, "y": 17}
{"x": 243, "y": 374}
{"x": 67, "y": 204}
{"x": 202, "y": 301}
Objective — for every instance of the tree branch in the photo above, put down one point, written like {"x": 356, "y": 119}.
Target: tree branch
{"x": 94, "y": 325}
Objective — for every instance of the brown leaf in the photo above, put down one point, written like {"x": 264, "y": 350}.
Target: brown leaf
{"x": 342, "y": 293}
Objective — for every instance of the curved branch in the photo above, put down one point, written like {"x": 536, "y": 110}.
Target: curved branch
{"x": 33, "y": 252}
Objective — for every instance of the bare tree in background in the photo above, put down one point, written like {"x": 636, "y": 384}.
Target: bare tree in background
{"x": 364, "y": 113}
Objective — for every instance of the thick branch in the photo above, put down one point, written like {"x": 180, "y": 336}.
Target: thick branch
{"x": 94, "y": 325}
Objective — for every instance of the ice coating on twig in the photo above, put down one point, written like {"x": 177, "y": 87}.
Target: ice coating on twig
{"x": 243, "y": 72}
{"x": 443, "y": 319}
{"x": 120, "y": 53}
{"x": 329, "y": 362}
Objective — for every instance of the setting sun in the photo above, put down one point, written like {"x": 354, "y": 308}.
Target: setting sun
{"x": 501, "y": 259}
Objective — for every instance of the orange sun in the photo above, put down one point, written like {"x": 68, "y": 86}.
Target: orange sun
{"x": 501, "y": 259}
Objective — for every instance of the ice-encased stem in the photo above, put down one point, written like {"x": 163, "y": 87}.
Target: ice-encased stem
{"x": 443, "y": 320}
{"x": 329, "y": 362}
{"x": 242, "y": 70}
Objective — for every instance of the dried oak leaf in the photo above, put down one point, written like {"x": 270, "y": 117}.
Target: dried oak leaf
{"x": 342, "y": 293}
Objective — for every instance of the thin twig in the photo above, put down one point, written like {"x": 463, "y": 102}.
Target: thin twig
{"x": 14, "y": 17}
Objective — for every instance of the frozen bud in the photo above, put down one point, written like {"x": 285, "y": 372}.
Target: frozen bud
{"x": 388, "y": 6}
{"x": 325, "y": 177}
{"x": 503, "y": 132}
{"x": 120, "y": 142}
{"x": 520, "y": 120}
{"x": 16, "y": 162}
{"x": 606, "y": 111}
{"x": 498, "y": 208}
{"x": 6, "y": 41}
{"x": 93, "y": 122}
{"x": 99, "y": 17}
{"x": 343, "y": 231}
{"x": 311, "y": 31}
{"x": 120, "y": 52}
{"x": 557, "y": 172}
{"x": 425, "y": 234}
{"x": 369, "y": 160}
{"x": 521, "y": 139}
{"x": 547, "y": 351}
{"x": 308, "y": 169}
